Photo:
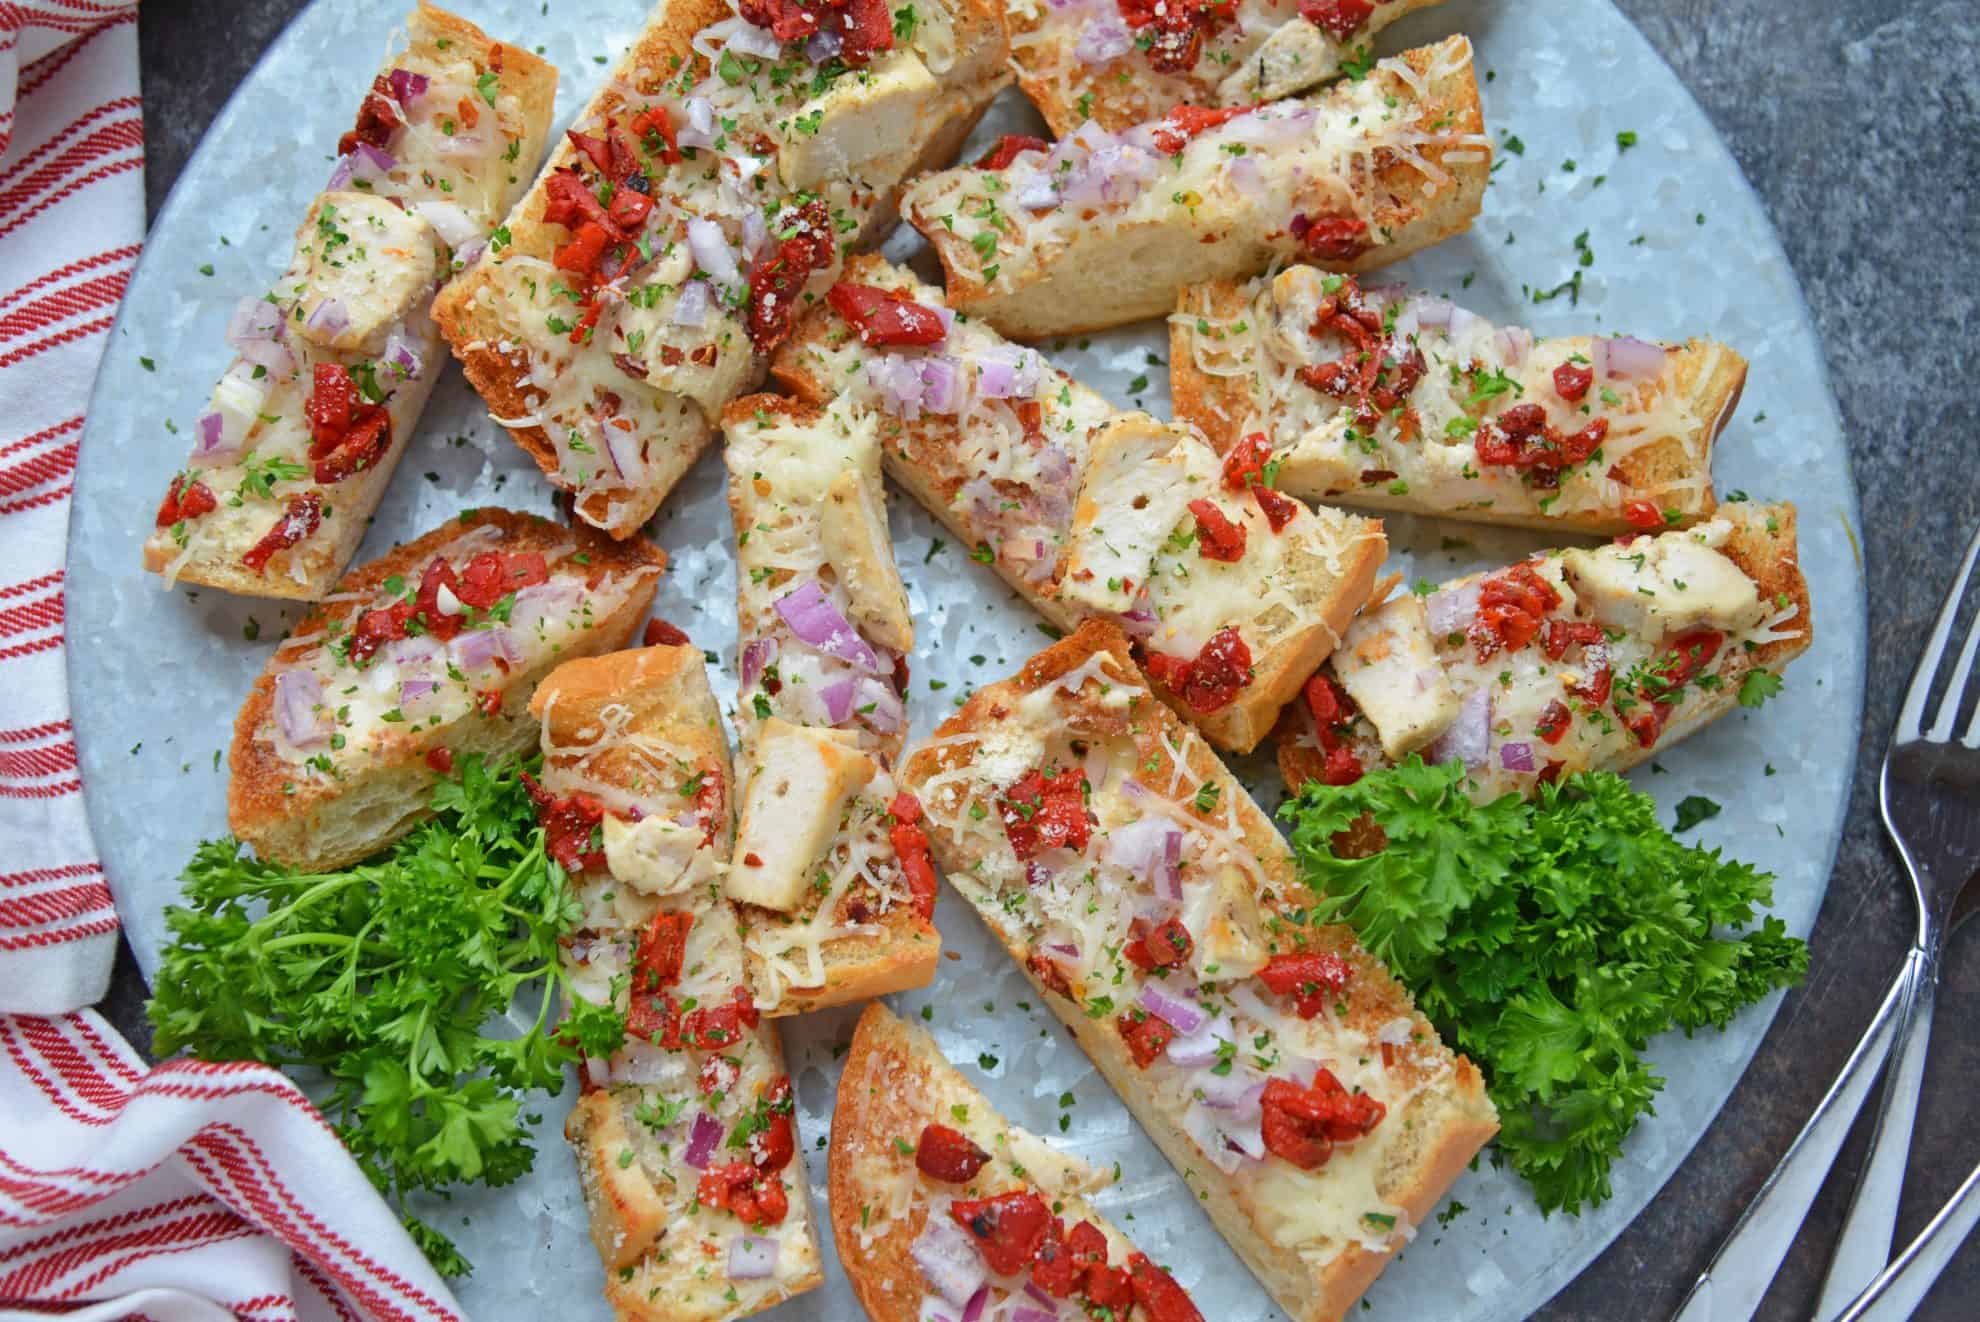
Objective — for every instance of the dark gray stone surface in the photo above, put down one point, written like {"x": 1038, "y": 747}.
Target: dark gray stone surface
{"x": 1859, "y": 125}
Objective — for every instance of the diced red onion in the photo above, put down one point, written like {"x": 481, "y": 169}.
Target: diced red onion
{"x": 1433, "y": 313}
{"x": 597, "y": 1071}
{"x": 639, "y": 1062}
{"x": 237, "y": 405}
{"x": 1037, "y": 194}
{"x": 752, "y": 1257}
{"x": 1627, "y": 358}
{"x": 1243, "y": 173}
{"x": 756, "y": 233}
{"x": 1469, "y": 736}
{"x": 625, "y": 450}
{"x": 1199, "y": 1047}
{"x": 823, "y": 46}
{"x": 1037, "y": 874}
{"x": 254, "y": 319}
{"x": 1033, "y": 1291}
{"x": 413, "y": 692}
{"x": 815, "y": 620}
{"x": 1234, "y": 1092}
{"x": 1451, "y": 611}
{"x": 907, "y": 385}
{"x": 542, "y": 603}
{"x": 1102, "y": 40}
{"x": 1202, "y": 1128}
{"x": 880, "y": 705}
{"x": 1464, "y": 321}
{"x": 703, "y": 1135}
{"x": 475, "y": 648}
{"x": 699, "y": 130}
{"x": 450, "y": 221}
{"x": 711, "y": 251}
{"x": 1166, "y": 1005}
{"x": 1098, "y": 767}
{"x": 299, "y": 707}
{"x": 400, "y": 354}
{"x": 691, "y": 308}
{"x": 973, "y": 1310}
{"x": 1515, "y": 342}
{"x": 1517, "y": 757}
{"x": 1008, "y": 373}
{"x": 838, "y": 699}
{"x": 935, "y": 1309}
{"x": 757, "y": 654}
{"x": 1063, "y": 949}
{"x": 1138, "y": 623}
{"x": 948, "y": 1260}
{"x": 1151, "y": 848}
{"x": 329, "y": 317}
{"x": 1023, "y": 1313}
{"x": 407, "y": 86}
{"x": 749, "y": 39}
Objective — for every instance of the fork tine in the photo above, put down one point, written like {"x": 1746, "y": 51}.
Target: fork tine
{"x": 1956, "y": 691}
{"x": 1928, "y": 665}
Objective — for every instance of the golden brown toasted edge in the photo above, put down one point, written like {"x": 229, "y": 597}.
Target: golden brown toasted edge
{"x": 533, "y": 78}
{"x": 1712, "y": 378}
{"x": 664, "y": 46}
{"x": 1460, "y": 1117}
{"x": 261, "y": 809}
{"x": 1414, "y": 221}
{"x": 882, "y": 1272}
{"x": 1215, "y": 405}
{"x": 624, "y": 1210}
{"x": 1765, "y": 547}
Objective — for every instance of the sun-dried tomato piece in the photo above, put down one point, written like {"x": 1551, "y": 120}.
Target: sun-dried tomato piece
{"x": 1158, "y": 1294}
{"x": 1332, "y": 238}
{"x": 493, "y": 575}
{"x": 570, "y": 826}
{"x": 778, "y": 277}
{"x": 629, "y": 209}
{"x": 333, "y": 403}
{"x": 1244, "y": 466}
{"x": 948, "y": 1154}
{"x": 715, "y": 1027}
{"x": 1314, "y": 979}
{"x": 772, "y": 1147}
{"x": 1217, "y": 538}
{"x": 1008, "y": 149}
{"x": 1522, "y": 438}
{"x": 869, "y": 30}
{"x": 788, "y": 20}
{"x": 1563, "y": 634}
{"x": 1342, "y": 767}
{"x": 1046, "y": 811}
{"x": 302, "y": 516}
{"x": 1555, "y": 718}
{"x": 1086, "y": 1245}
{"x": 1287, "y": 1136}
{"x": 1213, "y": 680}
{"x": 1147, "y": 1035}
{"x": 439, "y": 574}
{"x": 377, "y": 119}
{"x": 186, "y": 498}
{"x": 1643, "y": 514}
{"x": 1511, "y": 608}
{"x": 883, "y": 317}
{"x": 1337, "y": 18}
{"x": 361, "y": 447}
{"x": 1007, "y": 1228}
{"x": 1572, "y": 380}
{"x": 717, "y": 1074}
{"x": 1167, "y": 943}
{"x": 1174, "y": 30}
{"x": 752, "y": 1196}
{"x": 662, "y": 950}
{"x": 593, "y": 147}
{"x": 654, "y": 1018}
{"x": 910, "y": 841}
{"x": 377, "y": 627}
{"x": 1279, "y": 509}
{"x": 440, "y": 759}
{"x": 659, "y": 633}
{"x": 1183, "y": 124}
{"x": 570, "y": 202}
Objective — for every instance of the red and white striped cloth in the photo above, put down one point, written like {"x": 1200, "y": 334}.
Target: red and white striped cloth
{"x": 189, "y": 1190}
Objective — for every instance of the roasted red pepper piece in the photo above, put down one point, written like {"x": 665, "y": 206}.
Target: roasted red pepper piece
{"x": 1313, "y": 979}
{"x": 1279, "y": 509}
{"x": 1007, "y": 1228}
{"x": 185, "y": 499}
{"x": 948, "y": 1154}
{"x": 1333, "y": 238}
{"x": 1046, "y": 811}
{"x": 1244, "y": 466}
{"x": 754, "y": 1197}
{"x": 869, "y": 29}
{"x": 1511, "y": 608}
{"x": 1217, "y": 538}
{"x": 302, "y": 516}
{"x": 884, "y": 318}
{"x": 1643, "y": 514}
{"x": 1158, "y": 1294}
{"x": 655, "y": 1018}
{"x": 569, "y": 826}
{"x": 772, "y": 1147}
{"x": 1554, "y": 721}
{"x": 1563, "y": 634}
{"x": 1337, "y": 18}
{"x": 1008, "y": 149}
{"x": 1184, "y": 123}
{"x": 659, "y": 633}
{"x": 910, "y": 841}
{"x": 662, "y": 950}
{"x": 333, "y": 404}
{"x": 777, "y": 278}
{"x": 1053, "y": 1268}
{"x": 1147, "y": 1035}
{"x": 1572, "y": 380}
{"x": 493, "y": 575}
{"x": 715, "y": 1027}
{"x": 1159, "y": 947}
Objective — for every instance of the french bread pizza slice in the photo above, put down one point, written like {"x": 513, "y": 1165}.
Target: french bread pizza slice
{"x": 700, "y": 201}
{"x": 423, "y": 655}
{"x": 1125, "y": 61}
{"x": 942, "y": 1209}
{"x": 1278, "y": 1066}
{"x": 1231, "y": 589}
{"x": 685, "y": 1137}
{"x": 1576, "y": 660}
{"x": 1101, "y": 229}
{"x": 333, "y": 365}
{"x": 1393, "y": 400}
{"x": 831, "y": 875}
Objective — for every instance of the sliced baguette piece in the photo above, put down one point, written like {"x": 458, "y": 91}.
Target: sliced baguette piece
{"x": 368, "y": 255}
{"x": 1238, "y": 349}
{"x": 812, "y": 547}
{"x": 1735, "y": 577}
{"x": 637, "y": 735}
{"x": 609, "y": 352}
{"x": 1129, "y": 779}
{"x": 999, "y": 472}
{"x": 1098, "y": 232}
{"x": 906, "y": 1130}
{"x": 334, "y": 758}
{"x": 1273, "y": 53}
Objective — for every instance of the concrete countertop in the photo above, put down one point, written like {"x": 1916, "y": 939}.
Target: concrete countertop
{"x": 1859, "y": 125}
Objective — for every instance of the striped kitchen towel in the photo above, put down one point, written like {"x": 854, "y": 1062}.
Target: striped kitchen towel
{"x": 187, "y": 1190}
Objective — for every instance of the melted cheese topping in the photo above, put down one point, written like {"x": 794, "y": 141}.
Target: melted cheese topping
{"x": 1422, "y": 455}
{"x": 1250, "y": 175}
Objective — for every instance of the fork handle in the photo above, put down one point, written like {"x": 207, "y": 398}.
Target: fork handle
{"x": 1869, "y": 1229}
{"x": 1732, "y": 1286}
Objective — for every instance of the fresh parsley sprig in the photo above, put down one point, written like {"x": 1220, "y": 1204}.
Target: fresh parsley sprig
{"x": 1549, "y": 941}
{"x": 396, "y": 984}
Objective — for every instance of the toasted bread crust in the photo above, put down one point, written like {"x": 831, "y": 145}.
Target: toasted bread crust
{"x": 1763, "y": 545}
{"x": 1711, "y": 375}
{"x": 1072, "y": 293}
{"x": 289, "y": 827}
{"x": 1448, "y": 1123}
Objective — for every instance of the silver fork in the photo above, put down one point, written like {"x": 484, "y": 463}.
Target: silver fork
{"x": 1931, "y": 802}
